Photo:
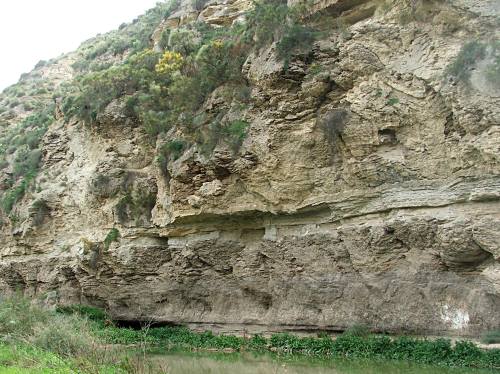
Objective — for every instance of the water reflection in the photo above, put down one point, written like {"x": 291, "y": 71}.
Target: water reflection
{"x": 202, "y": 363}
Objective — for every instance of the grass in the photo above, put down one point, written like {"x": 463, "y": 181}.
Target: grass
{"x": 22, "y": 358}
{"x": 35, "y": 340}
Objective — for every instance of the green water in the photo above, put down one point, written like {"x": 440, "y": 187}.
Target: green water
{"x": 202, "y": 363}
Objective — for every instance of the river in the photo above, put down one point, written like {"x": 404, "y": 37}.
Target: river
{"x": 207, "y": 363}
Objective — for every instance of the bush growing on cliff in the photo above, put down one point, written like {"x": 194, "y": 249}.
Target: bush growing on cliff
{"x": 235, "y": 133}
{"x": 468, "y": 56}
{"x": 182, "y": 40}
{"x": 273, "y": 21}
{"x": 493, "y": 69}
{"x": 13, "y": 195}
{"x": 198, "y": 4}
{"x": 135, "y": 207}
{"x": 170, "y": 150}
{"x": 93, "y": 92}
{"x": 26, "y": 162}
{"x": 164, "y": 89}
{"x": 133, "y": 37}
{"x": 111, "y": 237}
{"x": 24, "y": 139}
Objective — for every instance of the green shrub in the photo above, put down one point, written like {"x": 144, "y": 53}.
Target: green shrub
{"x": 121, "y": 208}
{"x": 296, "y": 38}
{"x": 468, "y": 56}
{"x": 198, "y": 4}
{"x": 266, "y": 22}
{"x": 18, "y": 317}
{"x": 40, "y": 64}
{"x": 92, "y": 313}
{"x": 65, "y": 335}
{"x": 96, "y": 90}
{"x": 111, "y": 237}
{"x": 28, "y": 106}
{"x": 170, "y": 150}
{"x": 273, "y": 21}
{"x": 357, "y": 330}
{"x": 14, "y": 103}
{"x": 134, "y": 207}
{"x": 493, "y": 68}
{"x": 3, "y": 163}
{"x": 392, "y": 101}
{"x": 133, "y": 37}
{"x": 41, "y": 91}
{"x": 26, "y": 162}
{"x": 182, "y": 40}
{"x": 13, "y": 195}
{"x": 219, "y": 62}
{"x": 25, "y": 138}
{"x": 235, "y": 133}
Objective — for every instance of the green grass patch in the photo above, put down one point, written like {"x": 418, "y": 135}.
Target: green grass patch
{"x": 24, "y": 359}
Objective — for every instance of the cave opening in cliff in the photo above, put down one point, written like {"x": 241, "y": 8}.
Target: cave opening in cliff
{"x": 142, "y": 324}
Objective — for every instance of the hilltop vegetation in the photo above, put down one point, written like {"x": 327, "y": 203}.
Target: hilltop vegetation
{"x": 159, "y": 88}
{"x": 166, "y": 86}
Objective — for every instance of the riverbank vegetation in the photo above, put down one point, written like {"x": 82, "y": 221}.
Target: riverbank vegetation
{"x": 85, "y": 340}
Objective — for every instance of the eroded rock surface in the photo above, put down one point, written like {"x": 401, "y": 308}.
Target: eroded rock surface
{"x": 367, "y": 191}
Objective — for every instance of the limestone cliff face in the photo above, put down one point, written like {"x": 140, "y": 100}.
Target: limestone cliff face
{"x": 367, "y": 191}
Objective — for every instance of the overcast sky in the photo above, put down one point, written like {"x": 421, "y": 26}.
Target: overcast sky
{"x": 34, "y": 30}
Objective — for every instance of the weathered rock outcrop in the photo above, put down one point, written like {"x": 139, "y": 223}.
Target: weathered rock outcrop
{"x": 367, "y": 191}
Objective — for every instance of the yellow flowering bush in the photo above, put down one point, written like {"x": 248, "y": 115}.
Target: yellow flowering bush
{"x": 217, "y": 44}
{"x": 169, "y": 62}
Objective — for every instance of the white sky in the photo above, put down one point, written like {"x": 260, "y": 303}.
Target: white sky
{"x": 34, "y": 30}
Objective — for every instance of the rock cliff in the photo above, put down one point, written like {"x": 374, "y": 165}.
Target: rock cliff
{"x": 366, "y": 190}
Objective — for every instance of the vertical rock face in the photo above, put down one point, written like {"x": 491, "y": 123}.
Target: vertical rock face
{"x": 367, "y": 191}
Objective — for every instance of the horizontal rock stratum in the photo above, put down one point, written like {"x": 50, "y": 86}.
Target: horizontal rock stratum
{"x": 366, "y": 190}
